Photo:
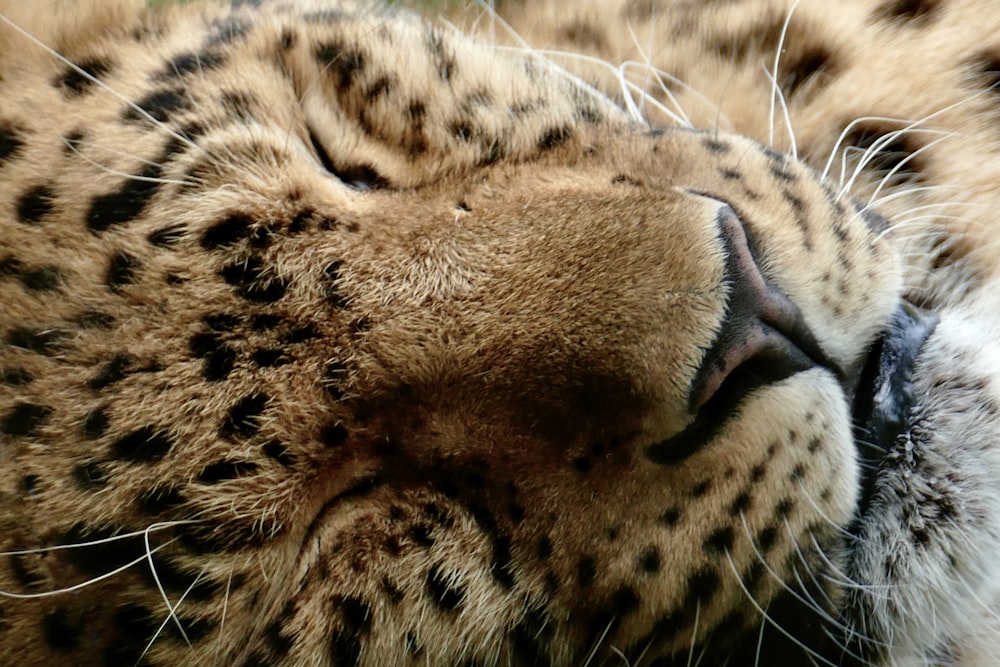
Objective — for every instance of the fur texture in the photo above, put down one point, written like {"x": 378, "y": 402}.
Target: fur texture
{"x": 333, "y": 335}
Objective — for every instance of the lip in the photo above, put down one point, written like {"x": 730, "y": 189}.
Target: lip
{"x": 884, "y": 395}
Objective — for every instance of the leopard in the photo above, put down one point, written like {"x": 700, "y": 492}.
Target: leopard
{"x": 618, "y": 332}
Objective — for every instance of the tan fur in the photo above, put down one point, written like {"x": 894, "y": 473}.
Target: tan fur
{"x": 403, "y": 398}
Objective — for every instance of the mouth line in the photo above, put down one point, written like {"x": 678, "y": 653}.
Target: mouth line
{"x": 884, "y": 393}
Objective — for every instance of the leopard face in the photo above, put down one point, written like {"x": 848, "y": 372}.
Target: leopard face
{"x": 333, "y": 337}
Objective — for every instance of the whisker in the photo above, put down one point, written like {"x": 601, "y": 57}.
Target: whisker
{"x": 766, "y": 617}
{"x": 172, "y": 615}
{"x": 126, "y": 175}
{"x": 94, "y": 80}
{"x": 84, "y": 584}
{"x": 775, "y": 89}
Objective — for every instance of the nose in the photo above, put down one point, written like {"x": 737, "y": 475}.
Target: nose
{"x": 762, "y": 338}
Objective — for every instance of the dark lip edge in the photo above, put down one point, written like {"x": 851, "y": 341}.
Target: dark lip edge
{"x": 883, "y": 394}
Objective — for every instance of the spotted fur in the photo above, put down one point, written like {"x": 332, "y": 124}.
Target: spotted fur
{"x": 331, "y": 335}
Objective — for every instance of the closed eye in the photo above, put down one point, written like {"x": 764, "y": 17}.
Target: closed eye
{"x": 357, "y": 176}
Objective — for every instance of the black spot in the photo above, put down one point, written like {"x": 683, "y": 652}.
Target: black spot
{"x": 555, "y": 136}
{"x": 24, "y": 418}
{"x": 530, "y": 638}
{"x": 649, "y": 560}
{"x": 893, "y": 154}
{"x": 302, "y": 334}
{"x": 502, "y": 564}
{"x": 218, "y": 363}
{"x": 716, "y": 145}
{"x": 135, "y": 626}
{"x": 174, "y": 580}
{"x": 72, "y": 141}
{"x": 381, "y": 86}
{"x": 40, "y": 341}
{"x": 111, "y": 372}
{"x": 985, "y": 70}
{"x": 15, "y": 376}
{"x": 11, "y": 266}
{"x": 280, "y": 643}
{"x": 221, "y": 321}
{"x": 356, "y": 614}
{"x": 784, "y": 508}
{"x": 35, "y": 204}
{"x": 719, "y": 541}
{"x": 99, "y": 550}
{"x": 204, "y": 343}
{"x": 331, "y": 289}
{"x": 767, "y": 537}
{"x": 362, "y": 177}
{"x": 167, "y": 236}
{"x": 122, "y": 270}
{"x": 90, "y": 476}
{"x": 588, "y": 114}
{"x": 95, "y": 424}
{"x": 915, "y": 12}
{"x": 780, "y": 172}
{"x": 586, "y": 570}
{"x": 247, "y": 276}
{"x": 255, "y": 659}
{"x": 159, "y": 500}
{"x": 278, "y": 452}
{"x": 10, "y": 142}
{"x": 144, "y": 445}
{"x": 702, "y": 586}
{"x": 543, "y": 547}
{"x": 190, "y": 630}
{"x": 242, "y": 421}
{"x": 754, "y": 40}
{"x": 77, "y": 79}
{"x": 345, "y": 650}
{"x": 232, "y": 536}
{"x": 60, "y": 634}
{"x": 341, "y": 63}
{"x": 265, "y": 321}
{"x": 41, "y": 278}
{"x": 333, "y": 435}
{"x": 20, "y": 567}
{"x": 876, "y": 223}
{"x": 670, "y": 517}
{"x": 444, "y": 62}
{"x": 231, "y": 229}
{"x": 421, "y": 534}
{"x": 158, "y": 105}
{"x": 803, "y": 67}
{"x": 624, "y": 601}
{"x": 301, "y": 221}
{"x": 740, "y": 504}
{"x": 127, "y": 202}
{"x": 269, "y": 357}
{"x": 625, "y": 179}
{"x": 701, "y": 488}
{"x": 93, "y": 319}
{"x": 190, "y": 62}
{"x": 448, "y": 595}
{"x": 226, "y": 470}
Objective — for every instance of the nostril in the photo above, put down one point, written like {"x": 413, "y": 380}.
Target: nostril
{"x": 763, "y": 337}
